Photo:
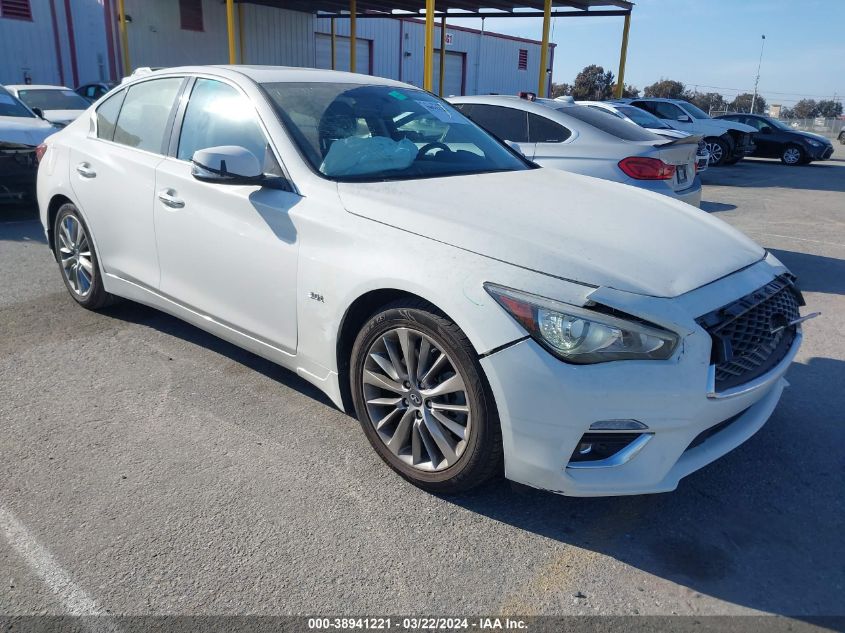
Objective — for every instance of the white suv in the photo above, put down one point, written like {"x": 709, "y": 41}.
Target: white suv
{"x": 473, "y": 310}
{"x": 728, "y": 142}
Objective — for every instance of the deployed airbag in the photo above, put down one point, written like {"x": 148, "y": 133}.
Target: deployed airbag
{"x": 356, "y": 156}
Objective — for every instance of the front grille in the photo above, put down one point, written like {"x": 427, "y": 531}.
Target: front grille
{"x": 744, "y": 345}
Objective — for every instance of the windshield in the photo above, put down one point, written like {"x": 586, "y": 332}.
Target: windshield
{"x": 47, "y": 99}
{"x": 609, "y": 123}
{"x": 694, "y": 112}
{"x": 358, "y": 132}
{"x": 642, "y": 118}
{"x": 9, "y": 106}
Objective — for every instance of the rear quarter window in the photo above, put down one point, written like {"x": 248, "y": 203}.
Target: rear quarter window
{"x": 107, "y": 115}
{"x": 609, "y": 123}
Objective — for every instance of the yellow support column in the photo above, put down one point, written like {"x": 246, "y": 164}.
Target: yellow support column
{"x": 353, "y": 9}
{"x": 230, "y": 26}
{"x": 124, "y": 38}
{"x": 542, "y": 79}
{"x": 623, "y": 54}
{"x": 428, "y": 65}
{"x": 442, "y": 53}
{"x": 334, "y": 46}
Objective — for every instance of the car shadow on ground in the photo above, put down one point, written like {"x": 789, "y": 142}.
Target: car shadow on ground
{"x": 756, "y": 528}
{"x": 716, "y": 207}
{"x": 816, "y": 273}
{"x": 761, "y": 172}
{"x": 142, "y": 315}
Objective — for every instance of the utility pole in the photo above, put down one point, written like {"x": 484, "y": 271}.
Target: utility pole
{"x": 757, "y": 80}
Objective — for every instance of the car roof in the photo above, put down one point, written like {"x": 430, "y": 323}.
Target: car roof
{"x": 35, "y": 87}
{"x": 270, "y": 74}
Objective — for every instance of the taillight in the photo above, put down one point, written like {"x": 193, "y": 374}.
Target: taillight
{"x": 40, "y": 151}
{"x": 644, "y": 168}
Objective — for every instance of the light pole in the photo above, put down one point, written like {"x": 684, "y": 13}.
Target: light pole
{"x": 757, "y": 80}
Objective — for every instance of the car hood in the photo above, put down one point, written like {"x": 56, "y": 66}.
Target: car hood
{"x": 815, "y": 137}
{"x": 24, "y": 130}
{"x": 574, "y": 227}
{"x": 720, "y": 126}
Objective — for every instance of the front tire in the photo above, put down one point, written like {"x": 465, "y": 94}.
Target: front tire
{"x": 422, "y": 399}
{"x": 792, "y": 155}
{"x": 718, "y": 149}
{"x": 842, "y": 137}
{"x": 78, "y": 260}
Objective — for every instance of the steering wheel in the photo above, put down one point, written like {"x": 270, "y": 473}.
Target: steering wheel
{"x": 425, "y": 149}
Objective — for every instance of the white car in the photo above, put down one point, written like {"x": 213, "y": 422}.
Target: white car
{"x": 650, "y": 122}
{"x": 476, "y": 312}
{"x": 575, "y": 138}
{"x": 728, "y": 142}
{"x": 58, "y": 105}
{"x": 21, "y": 132}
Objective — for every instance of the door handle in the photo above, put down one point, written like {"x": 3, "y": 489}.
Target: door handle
{"x": 169, "y": 200}
{"x": 85, "y": 170}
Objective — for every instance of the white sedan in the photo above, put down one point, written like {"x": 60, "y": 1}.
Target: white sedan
{"x": 475, "y": 312}
{"x": 58, "y": 105}
{"x": 650, "y": 122}
{"x": 584, "y": 141}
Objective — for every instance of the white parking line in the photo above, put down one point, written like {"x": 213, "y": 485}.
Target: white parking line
{"x": 41, "y": 561}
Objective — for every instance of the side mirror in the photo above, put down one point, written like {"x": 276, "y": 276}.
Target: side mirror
{"x": 685, "y": 118}
{"x": 227, "y": 164}
{"x": 765, "y": 130}
{"x": 39, "y": 113}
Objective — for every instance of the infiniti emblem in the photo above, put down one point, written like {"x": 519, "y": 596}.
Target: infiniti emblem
{"x": 415, "y": 399}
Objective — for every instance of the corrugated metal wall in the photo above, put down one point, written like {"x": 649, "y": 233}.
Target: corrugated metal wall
{"x": 493, "y": 70}
{"x": 271, "y": 36}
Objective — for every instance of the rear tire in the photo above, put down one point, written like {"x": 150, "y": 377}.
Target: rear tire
{"x": 842, "y": 137}
{"x": 422, "y": 399}
{"x": 792, "y": 155}
{"x": 718, "y": 149}
{"x": 77, "y": 259}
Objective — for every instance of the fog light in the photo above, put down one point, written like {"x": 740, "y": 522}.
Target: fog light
{"x": 602, "y": 450}
{"x": 584, "y": 448}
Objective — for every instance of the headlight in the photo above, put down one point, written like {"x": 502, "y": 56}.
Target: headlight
{"x": 579, "y": 335}
{"x": 813, "y": 143}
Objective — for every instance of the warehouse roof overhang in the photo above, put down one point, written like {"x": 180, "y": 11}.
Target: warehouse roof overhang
{"x": 455, "y": 8}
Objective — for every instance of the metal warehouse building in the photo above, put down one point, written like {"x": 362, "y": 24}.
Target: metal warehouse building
{"x": 73, "y": 42}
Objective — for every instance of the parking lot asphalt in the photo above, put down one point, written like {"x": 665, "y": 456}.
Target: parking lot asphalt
{"x": 149, "y": 468}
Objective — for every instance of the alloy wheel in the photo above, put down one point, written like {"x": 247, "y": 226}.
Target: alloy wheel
{"x": 716, "y": 153}
{"x": 416, "y": 399}
{"x": 75, "y": 256}
{"x": 791, "y": 155}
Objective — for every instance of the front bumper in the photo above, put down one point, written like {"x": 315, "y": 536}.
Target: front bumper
{"x": 18, "y": 170}
{"x": 820, "y": 153}
{"x": 546, "y": 406}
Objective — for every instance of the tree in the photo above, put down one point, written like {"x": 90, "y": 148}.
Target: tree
{"x": 630, "y": 92}
{"x": 742, "y": 103}
{"x": 708, "y": 101}
{"x": 806, "y": 109}
{"x": 559, "y": 90}
{"x": 667, "y": 88}
{"x": 593, "y": 83}
{"x": 787, "y": 113}
{"x": 829, "y": 108}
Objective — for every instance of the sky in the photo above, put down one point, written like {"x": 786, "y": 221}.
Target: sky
{"x": 711, "y": 44}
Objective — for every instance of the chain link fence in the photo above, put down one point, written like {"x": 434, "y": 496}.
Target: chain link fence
{"x": 829, "y": 127}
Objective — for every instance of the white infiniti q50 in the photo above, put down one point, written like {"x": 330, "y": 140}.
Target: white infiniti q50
{"x": 477, "y": 313}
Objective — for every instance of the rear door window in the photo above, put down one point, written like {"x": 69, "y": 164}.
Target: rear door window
{"x": 543, "y": 130}
{"x": 509, "y": 124}
{"x": 145, "y": 114}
